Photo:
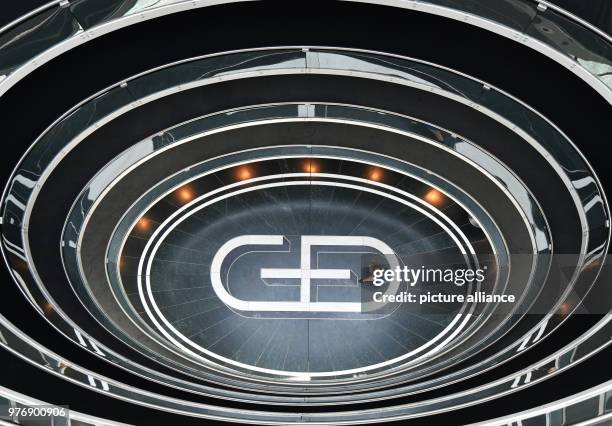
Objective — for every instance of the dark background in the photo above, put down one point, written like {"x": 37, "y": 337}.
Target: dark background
{"x": 595, "y": 371}
{"x": 597, "y": 12}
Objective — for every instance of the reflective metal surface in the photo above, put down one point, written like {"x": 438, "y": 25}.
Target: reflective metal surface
{"x": 547, "y": 29}
{"x": 163, "y": 245}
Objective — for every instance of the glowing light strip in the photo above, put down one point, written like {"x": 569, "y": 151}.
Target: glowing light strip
{"x": 299, "y": 375}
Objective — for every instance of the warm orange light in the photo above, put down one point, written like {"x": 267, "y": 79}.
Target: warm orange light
{"x": 143, "y": 224}
{"x": 311, "y": 167}
{"x": 564, "y": 309}
{"x": 48, "y": 308}
{"x": 185, "y": 194}
{"x": 592, "y": 265}
{"x": 434, "y": 197}
{"x": 244, "y": 173}
{"x": 375, "y": 174}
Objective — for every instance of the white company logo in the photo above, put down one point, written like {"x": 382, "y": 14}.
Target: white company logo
{"x": 304, "y": 273}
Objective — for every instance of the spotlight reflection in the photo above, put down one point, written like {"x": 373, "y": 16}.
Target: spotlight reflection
{"x": 311, "y": 166}
{"x": 185, "y": 194}
{"x": 244, "y": 173}
{"x": 434, "y": 197}
{"x": 375, "y": 174}
{"x": 564, "y": 309}
{"x": 143, "y": 224}
{"x": 48, "y": 309}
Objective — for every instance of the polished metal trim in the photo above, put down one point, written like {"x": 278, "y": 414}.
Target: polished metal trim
{"x": 180, "y": 174}
{"x": 29, "y": 15}
{"x": 250, "y": 124}
{"x": 578, "y": 19}
{"x": 138, "y": 103}
{"x": 108, "y": 186}
{"x": 396, "y": 80}
{"x": 599, "y": 390}
{"x": 337, "y": 418}
{"x": 82, "y": 37}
